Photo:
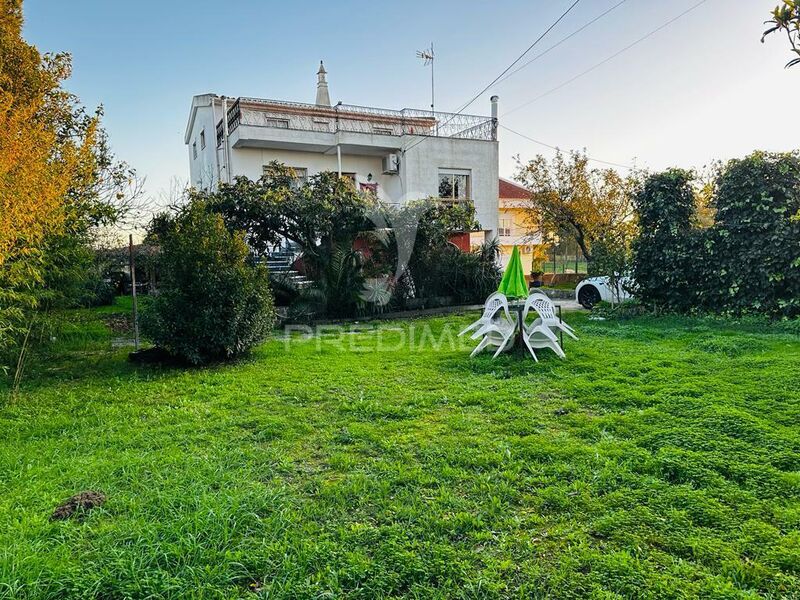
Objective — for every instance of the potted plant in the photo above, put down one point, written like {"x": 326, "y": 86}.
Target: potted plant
{"x": 537, "y": 264}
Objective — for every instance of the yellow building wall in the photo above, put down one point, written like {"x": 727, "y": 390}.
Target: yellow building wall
{"x": 516, "y": 220}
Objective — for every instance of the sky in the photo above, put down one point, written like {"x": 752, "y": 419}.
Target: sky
{"x": 703, "y": 88}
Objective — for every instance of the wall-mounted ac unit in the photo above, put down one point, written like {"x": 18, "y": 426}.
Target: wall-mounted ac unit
{"x": 391, "y": 164}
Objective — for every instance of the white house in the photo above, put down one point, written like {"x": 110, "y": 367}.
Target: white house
{"x": 401, "y": 155}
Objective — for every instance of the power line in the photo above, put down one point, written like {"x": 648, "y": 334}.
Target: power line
{"x": 521, "y": 56}
{"x": 557, "y": 44}
{"x": 530, "y": 139}
{"x": 509, "y": 67}
{"x": 608, "y": 59}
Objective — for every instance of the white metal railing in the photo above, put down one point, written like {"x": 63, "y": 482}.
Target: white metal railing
{"x": 256, "y": 112}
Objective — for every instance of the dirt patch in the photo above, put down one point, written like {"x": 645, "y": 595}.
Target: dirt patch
{"x": 78, "y": 505}
{"x": 119, "y": 323}
{"x": 156, "y": 356}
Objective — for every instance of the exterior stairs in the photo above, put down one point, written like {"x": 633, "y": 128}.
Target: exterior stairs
{"x": 280, "y": 268}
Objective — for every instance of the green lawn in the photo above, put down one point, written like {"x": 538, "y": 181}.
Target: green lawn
{"x": 662, "y": 459}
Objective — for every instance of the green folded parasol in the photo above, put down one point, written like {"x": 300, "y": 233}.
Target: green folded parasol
{"x": 513, "y": 284}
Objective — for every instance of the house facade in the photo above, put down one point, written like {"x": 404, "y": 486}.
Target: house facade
{"x": 513, "y": 223}
{"x": 400, "y": 155}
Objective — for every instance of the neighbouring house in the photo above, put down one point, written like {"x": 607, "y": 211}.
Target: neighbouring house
{"x": 400, "y": 155}
{"x": 513, "y": 226}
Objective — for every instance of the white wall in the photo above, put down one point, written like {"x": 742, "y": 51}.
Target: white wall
{"x": 250, "y": 163}
{"x": 203, "y": 170}
{"x": 419, "y": 165}
{"x": 422, "y": 161}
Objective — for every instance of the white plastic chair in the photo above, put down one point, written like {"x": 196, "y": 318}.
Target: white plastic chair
{"x": 547, "y": 313}
{"x": 499, "y": 333}
{"x": 539, "y": 334}
{"x": 493, "y": 304}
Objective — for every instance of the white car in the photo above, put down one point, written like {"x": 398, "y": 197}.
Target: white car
{"x": 592, "y": 290}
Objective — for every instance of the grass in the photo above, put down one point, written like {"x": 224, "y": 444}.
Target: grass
{"x": 662, "y": 459}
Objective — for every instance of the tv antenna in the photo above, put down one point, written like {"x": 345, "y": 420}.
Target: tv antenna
{"x": 427, "y": 57}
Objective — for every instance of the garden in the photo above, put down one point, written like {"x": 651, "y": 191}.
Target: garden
{"x": 303, "y": 434}
{"x": 660, "y": 460}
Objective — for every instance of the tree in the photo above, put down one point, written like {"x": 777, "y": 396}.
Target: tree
{"x": 787, "y": 18}
{"x": 59, "y": 181}
{"x": 323, "y": 215}
{"x": 38, "y": 166}
{"x": 753, "y": 250}
{"x": 567, "y": 197}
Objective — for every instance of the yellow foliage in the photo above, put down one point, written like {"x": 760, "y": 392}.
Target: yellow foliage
{"x": 36, "y": 167}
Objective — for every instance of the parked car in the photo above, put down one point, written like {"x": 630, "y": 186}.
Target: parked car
{"x": 592, "y": 290}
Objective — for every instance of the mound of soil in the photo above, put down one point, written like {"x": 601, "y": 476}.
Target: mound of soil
{"x": 79, "y": 505}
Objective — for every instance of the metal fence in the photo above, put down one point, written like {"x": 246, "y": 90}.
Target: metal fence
{"x": 300, "y": 116}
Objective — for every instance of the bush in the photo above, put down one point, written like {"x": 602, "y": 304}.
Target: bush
{"x": 664, "y": 249}
{"x": 213, "y": 304}
{"x": 753, "y": 249}
{"x": 748, "y": 261}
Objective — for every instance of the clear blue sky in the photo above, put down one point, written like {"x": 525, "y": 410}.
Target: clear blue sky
{"x": 702, "y": 88}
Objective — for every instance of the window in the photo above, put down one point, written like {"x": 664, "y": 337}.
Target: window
{"x": 454, "y": 185}
{"x": 194, "y": 149}
{"x": 505, "y": 227}
{"x": 382, "y": 130}
{"x": 279, "y": 123}
{"x": 321, "y": 125}
{"x": 203, "y": 139}
{"x": 350, "y": 176}
{"x": 300, "y": 174}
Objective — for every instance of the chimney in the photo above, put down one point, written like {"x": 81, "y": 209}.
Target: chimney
{"x": 323, "y": 98}
{"x": 494, "y": 100}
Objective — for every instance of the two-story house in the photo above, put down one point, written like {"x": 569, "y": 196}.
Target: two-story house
{"x": 400, "y": 155}
{"x": 514, "y": 226}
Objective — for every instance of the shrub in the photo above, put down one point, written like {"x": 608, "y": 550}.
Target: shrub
{"x": 663, "y": 251}
{"x": 748, "y": 261}
{"x": 213, "y": 304}
{"x": 753, "y": 249}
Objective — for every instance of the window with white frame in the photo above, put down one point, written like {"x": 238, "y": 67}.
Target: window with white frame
{"x": 454, "y": 184}
{"x": 505, "y": 227}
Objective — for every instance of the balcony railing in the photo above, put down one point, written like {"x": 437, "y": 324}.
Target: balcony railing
{"x": 255, "y": 112}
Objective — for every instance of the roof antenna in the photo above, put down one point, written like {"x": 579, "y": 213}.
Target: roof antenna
{"x": 427, "y": 57}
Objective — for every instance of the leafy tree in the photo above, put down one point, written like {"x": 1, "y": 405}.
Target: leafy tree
{"x": 212, "y": 303}
{"x": 38, "y": 166}
{"x": 586, "y": 204}
{"x": 786, "y": 18}
{"x": 323, "y": 216}
{"x": 317, "y": 215}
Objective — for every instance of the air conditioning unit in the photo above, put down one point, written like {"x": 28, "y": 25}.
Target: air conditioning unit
{"x": 391, "y": 164}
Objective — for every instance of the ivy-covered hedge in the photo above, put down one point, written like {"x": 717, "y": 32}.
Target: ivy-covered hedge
{"x": 663, "y": 252}
{"x": 747, "y": 261}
